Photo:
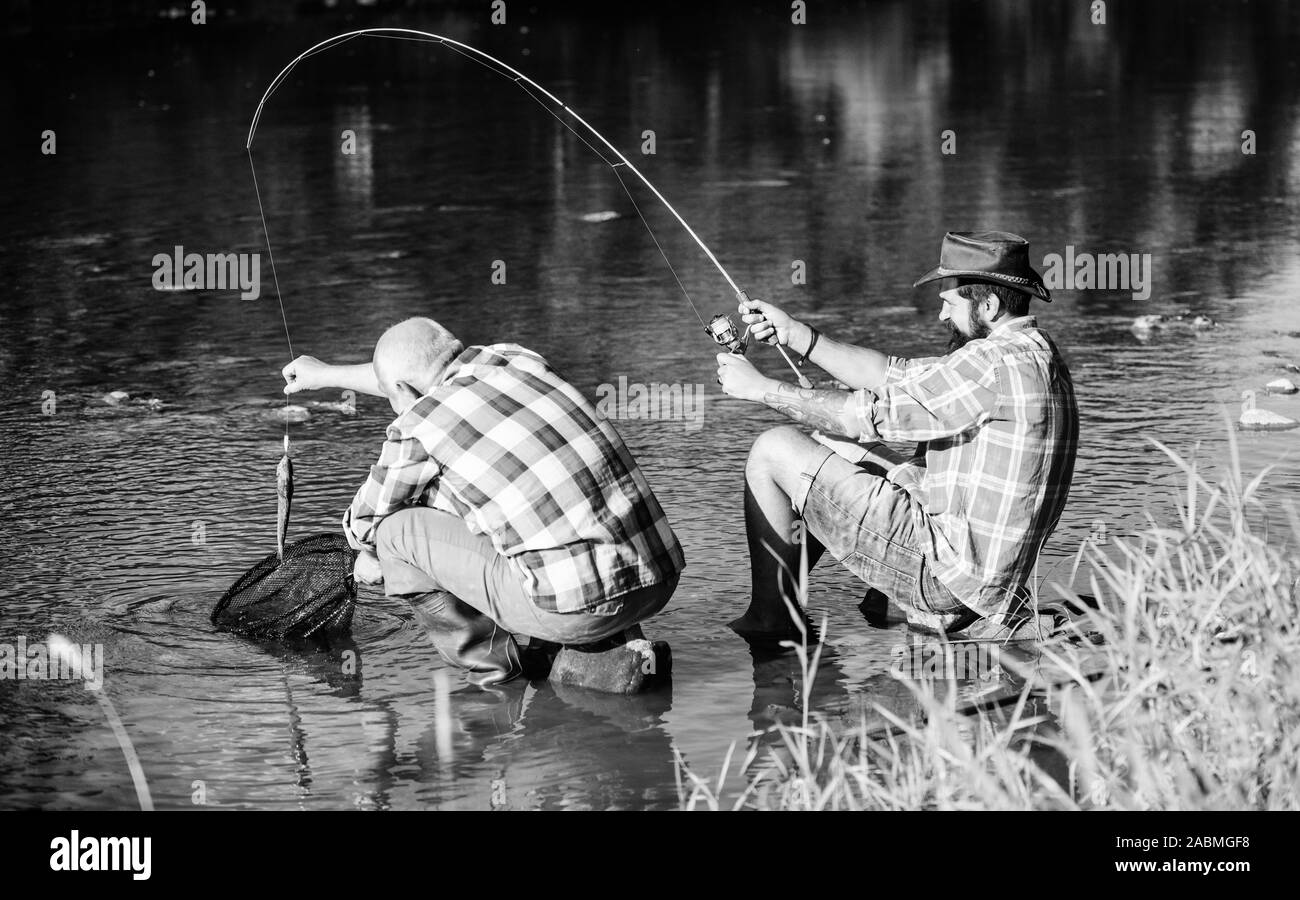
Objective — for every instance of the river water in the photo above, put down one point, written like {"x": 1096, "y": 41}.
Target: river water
{"x": 813, "y": 148}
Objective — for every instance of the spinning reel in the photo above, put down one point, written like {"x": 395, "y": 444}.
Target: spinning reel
{"x": 722, "y": 328}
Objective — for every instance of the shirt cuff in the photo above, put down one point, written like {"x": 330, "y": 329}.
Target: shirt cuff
{"x": 907, "y": 475}
{"x": 353, "y": 541}
{"x": 864, "y": 411}
{"x": 896, "y": 369}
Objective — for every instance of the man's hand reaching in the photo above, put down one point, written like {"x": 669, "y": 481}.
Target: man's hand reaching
{"x": 367, "y": 570}
{"x": 306, "y": 373}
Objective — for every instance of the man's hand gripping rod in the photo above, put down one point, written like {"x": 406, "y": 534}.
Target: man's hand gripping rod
{"x": 723, "y": 331}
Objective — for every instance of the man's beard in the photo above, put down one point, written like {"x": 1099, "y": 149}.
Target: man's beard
{"x": 957, "y": 340}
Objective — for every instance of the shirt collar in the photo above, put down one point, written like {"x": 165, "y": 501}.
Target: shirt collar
{"x": 1015, "y": 324}
{"x": 454, "y": 366}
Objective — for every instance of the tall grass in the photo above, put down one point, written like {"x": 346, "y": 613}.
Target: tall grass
{"x": 1181, "y": 691}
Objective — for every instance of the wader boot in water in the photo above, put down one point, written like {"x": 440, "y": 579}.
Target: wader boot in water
{"x": 468, "y": 639}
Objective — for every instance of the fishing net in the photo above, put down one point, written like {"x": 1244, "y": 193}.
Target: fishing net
{"x": 310, "y": 594}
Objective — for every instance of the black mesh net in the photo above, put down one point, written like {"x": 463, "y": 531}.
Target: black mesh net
{"x": 310, "y": 594}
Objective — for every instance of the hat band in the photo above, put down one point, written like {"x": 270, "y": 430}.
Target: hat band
{"x": 958, "y": 273}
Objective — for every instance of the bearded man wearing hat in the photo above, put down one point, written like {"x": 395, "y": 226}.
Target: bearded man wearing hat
{"x": 952, "y": 535}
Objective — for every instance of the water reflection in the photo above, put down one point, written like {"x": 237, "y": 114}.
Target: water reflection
{"x": 354, "y": 165}
{"x": 818, "y": 144}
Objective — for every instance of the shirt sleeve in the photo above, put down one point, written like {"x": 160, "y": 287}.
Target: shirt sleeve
{"x": 899, "y": 366}
{"x": 404, "y": 472}
{"x": 910, "y": 476}
{"x": 525, "y": 359}
{"x": 932, "y": 398}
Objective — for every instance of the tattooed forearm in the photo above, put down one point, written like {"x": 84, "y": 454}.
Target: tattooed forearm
{"x": 823, "y": 410}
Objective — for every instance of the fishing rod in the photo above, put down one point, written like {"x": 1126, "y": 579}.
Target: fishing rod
{"x": 720, "y": 328}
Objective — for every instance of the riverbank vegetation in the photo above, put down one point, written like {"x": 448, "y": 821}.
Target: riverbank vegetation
{"x": 1181, "y": 690}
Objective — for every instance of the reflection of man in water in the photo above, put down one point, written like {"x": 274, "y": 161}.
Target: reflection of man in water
{"x": 953, "y": 541}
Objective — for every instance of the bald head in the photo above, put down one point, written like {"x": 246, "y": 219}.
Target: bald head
{"x": 414, "y": 353}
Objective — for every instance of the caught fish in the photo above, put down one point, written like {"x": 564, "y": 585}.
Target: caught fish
{"x": 284, "y": 495}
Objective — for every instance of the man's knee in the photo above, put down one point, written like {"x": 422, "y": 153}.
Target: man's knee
{"x": 775, "y": 448}
{"x": 780, "y": 455}
{"x": 392, "y": 532}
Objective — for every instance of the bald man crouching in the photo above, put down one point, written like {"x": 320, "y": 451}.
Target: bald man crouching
{"x": 501, "y": 502}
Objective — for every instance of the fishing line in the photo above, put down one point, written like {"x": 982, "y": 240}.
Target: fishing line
{"x": 612, "y": 165}
{"x": 269, "y": 255}
{"x": 274, "y": 277}
{"x": 650, "y": 231}
{"x": 614, "y": 168}
{"x": 528, "y": 86}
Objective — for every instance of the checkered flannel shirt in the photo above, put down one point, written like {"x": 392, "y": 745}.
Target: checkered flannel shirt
{"x": 1002, "y": 428}
{"x": 523, "y": 457}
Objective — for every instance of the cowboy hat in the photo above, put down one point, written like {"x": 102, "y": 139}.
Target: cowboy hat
{"x": 993, "y": 256}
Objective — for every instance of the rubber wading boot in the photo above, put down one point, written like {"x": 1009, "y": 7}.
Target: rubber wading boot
{"x": 467, "y": 638}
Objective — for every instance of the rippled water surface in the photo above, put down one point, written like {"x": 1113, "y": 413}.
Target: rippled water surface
{"x": 818, "y": 144}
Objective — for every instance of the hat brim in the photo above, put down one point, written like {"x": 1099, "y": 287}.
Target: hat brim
{"x": 1032, "y": 286}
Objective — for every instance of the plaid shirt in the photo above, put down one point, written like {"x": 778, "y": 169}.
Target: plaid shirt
{"x": 520, "y": 455}
{"x": 1002, "y": 429}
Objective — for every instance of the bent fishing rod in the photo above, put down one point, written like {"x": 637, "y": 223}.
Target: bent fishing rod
{"x": 720, "y": 328}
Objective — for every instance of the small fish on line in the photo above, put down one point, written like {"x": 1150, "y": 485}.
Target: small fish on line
{"x": 284, "y": 497}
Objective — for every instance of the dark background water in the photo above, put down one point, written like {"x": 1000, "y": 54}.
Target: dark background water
{"x": 778, "y": 143}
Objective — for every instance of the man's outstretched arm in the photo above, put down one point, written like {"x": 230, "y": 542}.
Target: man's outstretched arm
{"x": 832, "y": 412}
{"x": 307, "y": 373}
{"x": 937, "y": 401}
{"x": 858, "y": 367}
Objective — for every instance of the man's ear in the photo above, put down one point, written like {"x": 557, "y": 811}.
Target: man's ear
{"x": 406, "y": 392}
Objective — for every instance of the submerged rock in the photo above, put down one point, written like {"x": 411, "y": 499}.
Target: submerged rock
{"x": 342, "y": 406}
{"x": 1254, "y": 419}
{"x": 291, "y": 413}
{"x": 631, "y": 665}
{"x": 1265, "y": 420}
{"x": 1143, "y": 326}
